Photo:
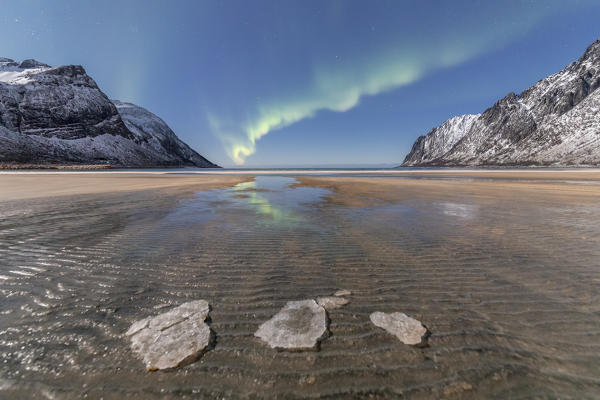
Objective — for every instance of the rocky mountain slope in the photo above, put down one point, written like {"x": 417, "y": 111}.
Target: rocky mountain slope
{"x": 156, "y": 138}
{"x": 555, "y": 122}
{"x": 59, "y": 115}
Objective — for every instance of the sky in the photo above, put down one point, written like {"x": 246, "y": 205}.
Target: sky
{"x": 304, "y": 83}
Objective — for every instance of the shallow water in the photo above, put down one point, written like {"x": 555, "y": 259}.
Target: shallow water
{"x": 510, "y": 293}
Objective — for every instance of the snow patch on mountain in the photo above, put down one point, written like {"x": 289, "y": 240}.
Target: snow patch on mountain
{"x": 440, "y": 140}
{"x": 13, "y": 73}
{"x": 155, "y": 136}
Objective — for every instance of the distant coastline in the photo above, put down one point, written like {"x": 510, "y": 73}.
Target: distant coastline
{"x": 77, "y": 167}
{"x": 14, "y": 166}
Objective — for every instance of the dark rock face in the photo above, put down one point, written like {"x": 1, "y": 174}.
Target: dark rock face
{"x": 31, "y": 63}
{"x": 63, "y": 102}
{"x": 7, "y": 62}
{"x": 554, "y": 122}
{"x": 60, "y": 115}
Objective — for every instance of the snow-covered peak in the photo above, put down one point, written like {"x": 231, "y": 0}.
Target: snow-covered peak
{"x": 559, "y": 92}
{"x": 554, "y": 122}
{"x": 14, "y": 73}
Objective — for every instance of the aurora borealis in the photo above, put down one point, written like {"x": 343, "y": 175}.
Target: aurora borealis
{"x": 339, "y": 88}
{"x": 304, "y": 82}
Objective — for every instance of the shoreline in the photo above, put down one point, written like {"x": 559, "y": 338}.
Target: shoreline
{"x": 44, "y": 167}
{"x": 308, "y": 171}
{"x": 551, "y": 183}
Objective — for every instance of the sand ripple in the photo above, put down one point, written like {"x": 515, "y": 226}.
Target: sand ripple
{"x": 509, "y": 292}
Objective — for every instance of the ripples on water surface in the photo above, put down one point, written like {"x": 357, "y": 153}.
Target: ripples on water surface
{"x": 510, "y": 292}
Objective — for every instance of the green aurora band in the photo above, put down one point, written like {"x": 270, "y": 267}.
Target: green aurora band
{"x": 340, "y": 87}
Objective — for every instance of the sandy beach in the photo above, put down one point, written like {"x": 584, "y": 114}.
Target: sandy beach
{"x": 34, "y": 184}
{"x": 500, "y": 266}
{"x": 26, "y": 184}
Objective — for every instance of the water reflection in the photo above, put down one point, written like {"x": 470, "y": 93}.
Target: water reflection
{"x": 460, "y": 210}
{"x": 260, "y": 203}
{"x": 273, "y": 196}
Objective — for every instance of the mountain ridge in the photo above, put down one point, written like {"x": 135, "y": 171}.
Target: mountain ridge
{"x": 555, "y": 122}
{"x": 59, "y": 115}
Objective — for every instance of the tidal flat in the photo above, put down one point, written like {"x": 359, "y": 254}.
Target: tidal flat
{"x": 502, "y": 267}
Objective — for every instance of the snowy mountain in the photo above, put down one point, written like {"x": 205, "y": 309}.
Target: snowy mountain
{"x": 555, "y": 122}
{"x": 59, "y": 115}
{"x": 441, "y": 139}
{"x": 156, "y": 138}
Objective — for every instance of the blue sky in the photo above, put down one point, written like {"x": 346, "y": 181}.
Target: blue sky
{"x": 301, "y": 83}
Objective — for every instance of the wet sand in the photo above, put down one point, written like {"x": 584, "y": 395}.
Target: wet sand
{"x": 503, "y": 271}
{"x": 485, "y": 186}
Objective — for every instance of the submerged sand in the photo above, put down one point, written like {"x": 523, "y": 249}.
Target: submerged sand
{"x": 503, "y": 271}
